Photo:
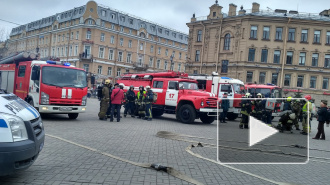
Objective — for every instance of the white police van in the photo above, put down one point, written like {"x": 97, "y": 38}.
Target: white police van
{"x": 21, "y": 134}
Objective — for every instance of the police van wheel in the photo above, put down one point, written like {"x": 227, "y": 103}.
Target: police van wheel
{"x": 187, "y": 114}
{"x": 207, "y": 119}
{"x": 73, "y": 115}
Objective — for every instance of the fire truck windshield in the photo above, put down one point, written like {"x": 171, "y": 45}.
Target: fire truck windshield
{"x": 188, "y": 85}
{"x": 63, "y": 77}
{"x": 239, "y": 88}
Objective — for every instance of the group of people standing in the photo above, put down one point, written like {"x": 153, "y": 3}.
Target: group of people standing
{"x": 113, "y": 97}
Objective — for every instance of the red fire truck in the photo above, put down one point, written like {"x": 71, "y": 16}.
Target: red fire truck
{"x": 220, "y": 85}
{"x": 176, "y": 94}
{"x": 49, "y": 86}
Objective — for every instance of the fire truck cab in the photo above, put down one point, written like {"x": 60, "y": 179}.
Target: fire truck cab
{"x": 176, "y": 94}
{"x": 220, "y": 85}
{"x": 49, "y": 86}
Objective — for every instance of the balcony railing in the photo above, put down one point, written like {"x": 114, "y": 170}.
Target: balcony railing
{"x": 83, "y": 56}
{"x": 140, "y": 66}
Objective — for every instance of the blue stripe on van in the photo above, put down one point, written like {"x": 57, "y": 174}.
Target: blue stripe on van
{"x": 3, "y": 124}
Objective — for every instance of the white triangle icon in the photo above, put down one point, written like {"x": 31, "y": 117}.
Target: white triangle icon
{"x": 259, "y": 131}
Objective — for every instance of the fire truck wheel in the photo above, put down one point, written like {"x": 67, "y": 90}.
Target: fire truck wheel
{"x": 207, "y": 119}
{"x": 73, "y": 115}
{"x": 187, "y": 114}
{"x": 231, "y": 116}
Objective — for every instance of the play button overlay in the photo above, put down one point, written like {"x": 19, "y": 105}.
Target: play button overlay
{"x": 271, "y": 136}
{"x": 259, "y": 131}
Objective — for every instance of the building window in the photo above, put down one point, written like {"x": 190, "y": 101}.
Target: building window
{"x": 109, "y": 71}
{"x": 180, "y": 55}
{"x": 315, "y": 59}
{"x": 317, "y": 34}
{"x": 274, "y": 78}
{"x": 102, "y": 23}
{"x": 249, "y": 76}
{"x": 71, "y": 38}
{"x": 325, "y": 84}
{"x": 118, "y": 71}
{"x": 141, "y": 46}
{"x": 159, "y": 50}
{"x": 224, "y": 66}
{"x": 179, "y": 67}
{"x": 99, "y": 69}
{"x": 264, "y": 55}
{"x": 87, "y": 51}
{"x": 172, "y": 66}
{"x": 90, "y": 22}
{"x": 277, "y": 56}
{"x": 88, "y": 34}
{"x": 122, "y": 29}
{"x": 101, "y": 53}
{"x": 102, "y": 37}
{"x": 195, "y": 72}
{"x": 112, "y": 39}
{"x": 262, "y": 77}
{"x": 121, "y": 41}
{"x": 265, "y": 34}
{"x": 86, "y": 67}
{"x": 328, "y": 38}
{"x": 289, "y": 56}
{"x": 120, "y": 56}
{"x": 292, "y": 32}
{"x": 112, "y": 26}
{"x": 302, "y": 58}
{"x": 77, "y": 35}
{"x": 304, "y": 35}
{"x": 151, "y": 62}
{"x": 252, "y": 52}
{"x": 128, "y": 58}
{"x": 197, "y": 56}
{"x": 165, "y": 65}
{"x": 140, "y": 60}
{"x": 130, "y": 21}
{"x": 199, "y": 35}
{"x": 300, "y": 81}
{"x": 158, "y": 64}
{"x": 130, "y": 44}
{"x": 327, "y": 61}
{"x": 111, "y": 54}
{"x": 254, "y": 30}
{"x": 226, "y": 45}
{"x": 287, "y": 80}
{"x": 166, "y": 52}
{"x": 313, "y": 82}
{"x": 76, "y": 50}
{"x": 151, "y": 49}
{"x": 130, "y": 31}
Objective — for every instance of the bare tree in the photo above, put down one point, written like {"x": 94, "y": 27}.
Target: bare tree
{"x": 4, "y": 34}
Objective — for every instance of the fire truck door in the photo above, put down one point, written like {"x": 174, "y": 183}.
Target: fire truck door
{"x": 172, "y": 93}
{"x": 21, "y": 82}
{"x": 227, "y": 88}
{"x": 35, "y": 84}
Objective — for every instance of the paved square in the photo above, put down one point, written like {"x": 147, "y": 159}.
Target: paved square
{"x": 61, "y": 162}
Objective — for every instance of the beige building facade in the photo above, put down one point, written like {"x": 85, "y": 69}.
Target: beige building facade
{"x": 280, "y": 47}
{"x": 103, "y": 41}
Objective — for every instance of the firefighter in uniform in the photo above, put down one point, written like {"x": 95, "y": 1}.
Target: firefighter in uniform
{"x": 109, "y": 107}
{"x": 266, "y": 113}
{"x": 257, "y": 111}
{"x": 105, "y": 100}
{"x": 140, "y": 104}
{"x": 130, "y": 101}
{"x": 306, "y": 112}
{"x": 286, "y": 121}
{"x": 296, "y": 109}
{"x": 245, "y": 111}
{"x": 287, "y": 104}
{"x": 149, "y": 97}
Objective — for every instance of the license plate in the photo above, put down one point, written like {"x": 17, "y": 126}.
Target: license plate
{"x": 65, "y": 109}
{"x": 41, "y": 146}
{"x": 237, "y": 110}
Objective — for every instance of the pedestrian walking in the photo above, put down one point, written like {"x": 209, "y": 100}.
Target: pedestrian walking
{"x": 117, "y": 98}
{"x": 130, "y": 102}
{"x": 321, "y": 118}
{"x": 225, "y": 107}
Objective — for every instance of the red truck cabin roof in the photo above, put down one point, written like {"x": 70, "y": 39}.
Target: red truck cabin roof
{"x": 261, "y": 86}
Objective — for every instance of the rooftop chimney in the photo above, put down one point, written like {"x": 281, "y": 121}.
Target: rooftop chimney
{"x": 193, "y": 19}
{"x": 232, "y": 9}
{"x": 255, "y": 7}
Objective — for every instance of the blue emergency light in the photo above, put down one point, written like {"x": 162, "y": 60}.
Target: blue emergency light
{"x": 225, "y": 78}
{"x": 50, "y": 62}
{"x": 67, "y": 64}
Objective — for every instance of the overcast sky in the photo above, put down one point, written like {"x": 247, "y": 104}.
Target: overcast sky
{"x": 172, "y": 13}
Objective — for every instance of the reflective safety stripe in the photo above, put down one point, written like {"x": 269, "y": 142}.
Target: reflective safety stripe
{"x": 305, "y": 106}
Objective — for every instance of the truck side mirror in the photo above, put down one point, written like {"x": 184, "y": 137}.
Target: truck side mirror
{"x": 35, "y": 74}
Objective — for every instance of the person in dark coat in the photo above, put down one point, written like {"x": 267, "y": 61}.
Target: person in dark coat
{"x": 130, "y": 102}
{"x": 287, "y": 104}
{"x": 149, "y": 97}
{"x": 99, "y": 92}
{"x": 225, "y": 107}
{"x": 322, "y": 118}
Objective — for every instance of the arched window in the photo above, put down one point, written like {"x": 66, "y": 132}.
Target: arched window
{"x": 227, "y": 42}
{"x": 143, "y": 35}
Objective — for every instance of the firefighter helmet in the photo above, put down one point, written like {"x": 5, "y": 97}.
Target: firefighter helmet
{"x": 308, "y": 97}
{"x": 107, "y": 82}
{"x": 289, "y": 98}
{"x": 148, "y": 87}
{"x": 247, "y": 95}
{"x": 132, "y": 86}
{"x": 292, "y": 116}
{"x": 259, "y": 94}
{"x": 141, "y": 87}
